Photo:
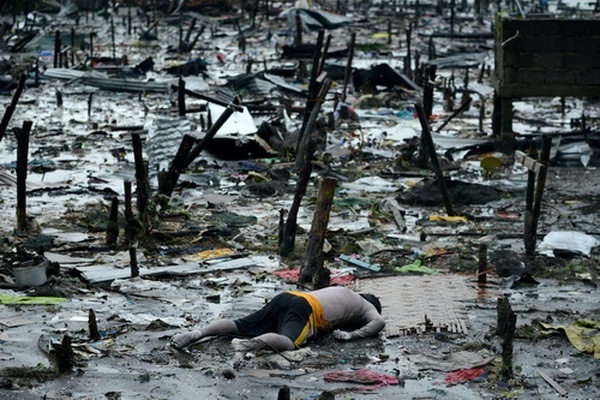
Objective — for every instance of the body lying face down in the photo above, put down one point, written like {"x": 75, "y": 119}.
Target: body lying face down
{"x": 291, "y": 319}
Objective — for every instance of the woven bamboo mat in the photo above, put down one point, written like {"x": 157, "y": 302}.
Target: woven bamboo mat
{"x": 416, "y": 304}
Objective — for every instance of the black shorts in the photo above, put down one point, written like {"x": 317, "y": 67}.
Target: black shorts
{"x": 285, "y": 314}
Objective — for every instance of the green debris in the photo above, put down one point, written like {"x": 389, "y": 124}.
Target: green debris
{"x": 416, "y": 268}
{"x": 9, "y": 299}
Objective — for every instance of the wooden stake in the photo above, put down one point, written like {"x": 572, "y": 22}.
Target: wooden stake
{"x": 507, "y": 321}
{"x": 22, "y": 135}
{"x": 289, "y": 232}
{"x": 284, "y": 393}
{"x": 313, "y": 88}
{"x": 93, "y": 326}
{"x": 135, "y": 271}
{"x": 73, "y": 46}
{"x": 65, "y": 358}
{"x": 348, "y": 65}
{"x": 92, "y": 50}
{"x": 427, "y": 141}
{"x": 298, "y": 37}
{"x": 532, "y": 223}
{"x": 112, "y": 41}
{"x": 181, "y": 97}
{"x": 141, "y": 176}
{"x": 177, "y": 166}
{"x": 201, "y": 145}
{"x": 10, "y": 109}
{"x": 112, "y": 226}
{"x": 313, "y": 270}
{"x": 483, "y": 264}
{"x": 57, "y": 46}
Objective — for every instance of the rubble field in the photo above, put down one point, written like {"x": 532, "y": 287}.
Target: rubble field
{"x": 154, "y": 155}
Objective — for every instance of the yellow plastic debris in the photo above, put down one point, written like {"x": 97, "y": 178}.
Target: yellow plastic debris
{"x": 208, "y": 254}
{"x": 448, "y": 218}
{"x": 583, "y": 334}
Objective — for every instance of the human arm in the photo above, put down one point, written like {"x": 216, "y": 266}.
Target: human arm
{"x": 372, "y": 328}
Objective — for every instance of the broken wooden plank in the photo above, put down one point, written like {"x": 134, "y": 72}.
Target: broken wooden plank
{"x": 361, "y": 264}
{"x": 528, "y": 162}
{"x": 555, "y": 385}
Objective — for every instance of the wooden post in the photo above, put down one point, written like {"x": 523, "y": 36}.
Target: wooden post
{"x": 135, "y": 271}
{"x": 90, "y": 101}
{"x": 348, "y": 71}
{"x": 313, "y": 88}
{"x": 507, "y": 321}
{"x": 92, "y": 50}
{"x": 65, "y": 358}
{"x": 93, "y": 326}
{"x": 181, "y": 97}
{"x": 72, "y": 46}
{"x": 22, "y": 135}
{"x": 306, "y": 134}
{"x": 483, "y": 264}
{"x": 284, "y": 393}
{"x": 407, "y": 60}
{"x": 128, "y": 207}
{"x": 177, "y": 166}
{"x": 141, "y": 176}
{"x": 532, "y": 223}
{"x": 459, "y": 110}
{"x": 57, "y": 46}
{"x": 313, "y": 270}
{"x": 428, "y": 142}
{"x": 429, "y": 77}
{"x": 112, "y": 41}
{"x": 298, "y": 37}
{"x": 10, "y": 109}
{"x": 389, "y": 29}
{"x": 129, "y": 20}
{"x": 506, "y": 130}
{"x": 112, "y": 226}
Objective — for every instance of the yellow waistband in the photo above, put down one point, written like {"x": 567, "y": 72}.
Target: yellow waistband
{"x": 317, "y": 318}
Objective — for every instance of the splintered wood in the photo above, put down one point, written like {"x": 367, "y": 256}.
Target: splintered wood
{"x": 416, "y": 304}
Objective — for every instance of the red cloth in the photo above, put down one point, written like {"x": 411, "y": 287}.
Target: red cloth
{"x": 461, "y": 375}
{"x": 294, "y": 274}
{"x": 375, "y": 380}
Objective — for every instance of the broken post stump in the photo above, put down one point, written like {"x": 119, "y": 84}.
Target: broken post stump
{"x": 178, "y": 165}
{"x": 93, "y": 326}
{"x": 22, "y": 135}
{"x": 348, "y": 70}
{"x": 284, "y": 393}
{"x": 112, "y": 226}
{"x": 57, "y": 46}
{"x": 483, "y": 263}
{"x": 133, "y": 264}
{"x": 463, "y": 107}
{"x": 298, "y": 36}
{"x": 506, "y": 324}
{"x": 313, "y": 88}
{"x": 427, "y": 141}
{"x": 532, "y": 221}
{"x": 307, "y": 132}
{"x": 141, "y": 175}
{"x": 313, "y": 270}
{"x": 288, "y": 239}
{"x": 181, "y": 97}
{"x": 10, "y": 109}
{"x": 65, "y": 358}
